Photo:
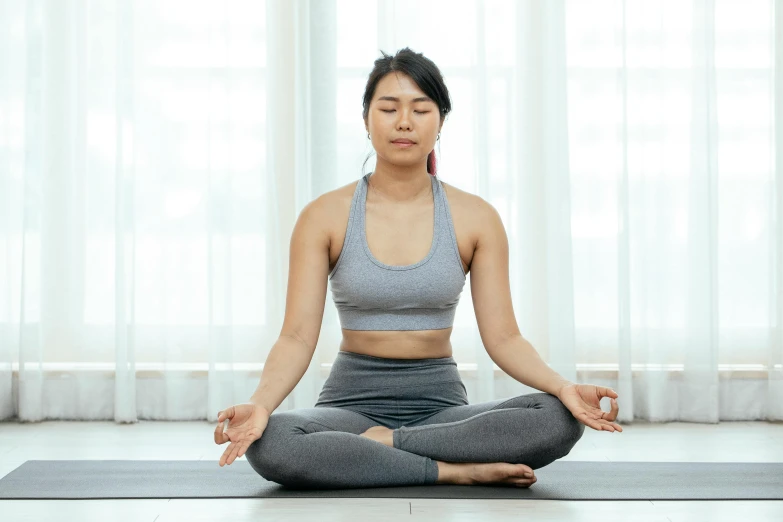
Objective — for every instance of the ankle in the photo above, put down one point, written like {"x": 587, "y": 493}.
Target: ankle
{"x": 451, "y": 473}
{"x": 443, "y": 472}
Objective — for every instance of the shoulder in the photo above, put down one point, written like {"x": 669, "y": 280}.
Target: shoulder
{"x": 472, "y": 212}
{"x": 331, "y": 208}
{"x": 335, "y": 201}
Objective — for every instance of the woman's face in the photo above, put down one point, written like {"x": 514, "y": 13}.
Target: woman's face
{"x": 400, "y": 110}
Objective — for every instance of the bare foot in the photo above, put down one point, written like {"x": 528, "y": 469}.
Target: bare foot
{"x": 497, "y": 473}
{"x": 380, "y": 434}
{"x": 466, "y": 473}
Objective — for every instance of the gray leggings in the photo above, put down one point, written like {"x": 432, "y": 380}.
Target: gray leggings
{"x": 425, "y": 402}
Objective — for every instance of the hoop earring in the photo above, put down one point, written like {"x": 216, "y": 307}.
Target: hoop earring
{"x": 368, "y": 135}
{"x": 438, "y": 138}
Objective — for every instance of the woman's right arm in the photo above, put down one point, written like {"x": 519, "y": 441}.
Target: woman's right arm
{"x": 308, "y": 271}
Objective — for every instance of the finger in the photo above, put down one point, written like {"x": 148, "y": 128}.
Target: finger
{"x": 599, "y": 424}
{"x": 220, "y": 436}
{"x": 224, "y": 457}
{"x": 233, "y": 455}
{"x": 615, "y": 410}
{"x": 220, "y": 432}
{"x": 228, "y": 413}
{"x": 242, "y": 450}
{"x": 603, "y": 391}
{"x": 612, "y": 414}
{"x": 588, "y": 421}
{"x": 611, "y": 426}
{"x": 596, "y": 426}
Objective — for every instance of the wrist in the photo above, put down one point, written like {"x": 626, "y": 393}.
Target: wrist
{"x": 562, "y": 386}
{"x": 260, "y": 406}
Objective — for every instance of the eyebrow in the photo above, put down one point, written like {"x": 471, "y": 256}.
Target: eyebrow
{"x": 392, "y": 98}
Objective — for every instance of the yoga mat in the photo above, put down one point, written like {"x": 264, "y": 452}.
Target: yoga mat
{"x": 561, "y": 480}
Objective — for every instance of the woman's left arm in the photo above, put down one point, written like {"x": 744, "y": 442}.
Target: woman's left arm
{"x": 519, "y": 359}
{"x": 490, "y": 289}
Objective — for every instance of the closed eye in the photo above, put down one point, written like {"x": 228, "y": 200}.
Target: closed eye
{"x": 419, "y": 112}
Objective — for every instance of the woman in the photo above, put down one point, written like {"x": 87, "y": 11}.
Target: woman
{"x": 394, "y": 410}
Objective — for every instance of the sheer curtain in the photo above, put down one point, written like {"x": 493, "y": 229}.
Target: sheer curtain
{"x": 154, "y": 157}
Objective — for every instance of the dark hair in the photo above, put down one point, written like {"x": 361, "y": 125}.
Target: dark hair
{"x": 422, "y": 71}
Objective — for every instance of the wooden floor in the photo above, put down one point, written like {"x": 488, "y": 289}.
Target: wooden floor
{"x": 725, "y": 442}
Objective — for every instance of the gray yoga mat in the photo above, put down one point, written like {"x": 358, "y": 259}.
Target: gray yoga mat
{"x": 561, "y": 480}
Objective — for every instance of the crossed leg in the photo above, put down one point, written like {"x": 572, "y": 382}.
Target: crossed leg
{"x": 534, "y": 429}
{"x": 323, "y": 448}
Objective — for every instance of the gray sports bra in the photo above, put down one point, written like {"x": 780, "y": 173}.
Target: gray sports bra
{"x": 371, "y": 295}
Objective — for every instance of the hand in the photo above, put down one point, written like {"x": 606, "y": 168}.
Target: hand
{"x": 583, "y": 401}
{"x": 246, "y": 424}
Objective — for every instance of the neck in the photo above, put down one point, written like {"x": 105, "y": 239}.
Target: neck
{"x": 400, "y": 184}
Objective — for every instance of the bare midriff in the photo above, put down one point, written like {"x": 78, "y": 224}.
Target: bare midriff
{"x": 408, "y": 344}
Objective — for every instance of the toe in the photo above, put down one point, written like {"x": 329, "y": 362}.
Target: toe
{"x": 522, "y": 469}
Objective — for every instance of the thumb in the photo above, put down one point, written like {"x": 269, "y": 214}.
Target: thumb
{"x": 223, "y": 419}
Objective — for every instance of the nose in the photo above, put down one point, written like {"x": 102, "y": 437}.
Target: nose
{"x": 404, "y": 122}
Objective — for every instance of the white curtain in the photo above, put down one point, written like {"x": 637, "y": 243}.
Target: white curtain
{"x": 154, "y": 157}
